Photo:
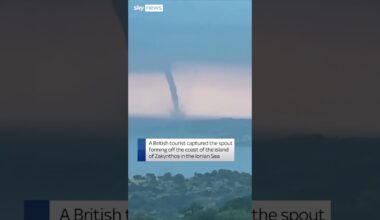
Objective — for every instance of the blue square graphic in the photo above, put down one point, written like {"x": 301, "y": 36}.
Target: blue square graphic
{"x": 141, "y": 149}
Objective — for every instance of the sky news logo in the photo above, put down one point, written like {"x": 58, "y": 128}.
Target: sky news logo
{"x": 149, "y": 8}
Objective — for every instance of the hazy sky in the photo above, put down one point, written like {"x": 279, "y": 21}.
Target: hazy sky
{"x": 189, "y": 31}
{"x": 207, "y": 47}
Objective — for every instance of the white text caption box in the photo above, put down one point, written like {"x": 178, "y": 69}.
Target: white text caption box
{"x": 190, "y": 149}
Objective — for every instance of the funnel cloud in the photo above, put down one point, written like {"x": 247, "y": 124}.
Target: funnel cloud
{"x": 173, "y": 93}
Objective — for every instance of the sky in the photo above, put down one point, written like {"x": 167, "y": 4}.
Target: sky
{"x": 207, "y": 48}
{"x": 316, "y": 66}
{"x": 189, "y": 31}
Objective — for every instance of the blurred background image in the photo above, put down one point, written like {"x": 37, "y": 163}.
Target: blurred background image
{"x": 316, "y": 104}
{"x": 63, "y": 98}
{"x": 62, "y": 103}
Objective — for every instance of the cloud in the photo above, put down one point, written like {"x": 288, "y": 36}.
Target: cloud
{"x": 204, "y": 90}
{"x": 148, "y": 95}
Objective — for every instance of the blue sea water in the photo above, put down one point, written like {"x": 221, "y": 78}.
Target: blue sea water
{"x": 240, "y": 129}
